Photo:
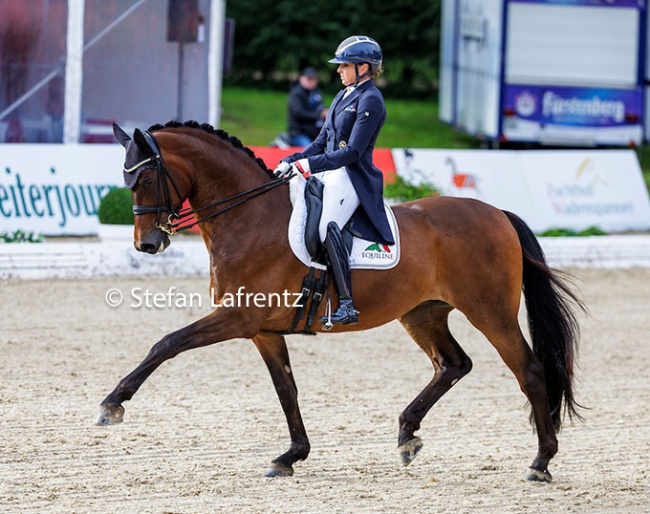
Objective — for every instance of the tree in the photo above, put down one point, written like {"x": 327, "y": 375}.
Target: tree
{"x": 286, "y": 35}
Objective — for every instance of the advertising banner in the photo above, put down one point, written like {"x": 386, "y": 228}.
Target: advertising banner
{"x": 382, "y": 157}
{"x": 490, "y": 176}
{"x": 56, "y": 189}
{"x": 595, "y": 115}
{"x": 578, "y": 189}
{"x": 572, "y": 189}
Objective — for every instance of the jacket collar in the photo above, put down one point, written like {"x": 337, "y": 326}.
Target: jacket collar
{"x": 343, "y": 103}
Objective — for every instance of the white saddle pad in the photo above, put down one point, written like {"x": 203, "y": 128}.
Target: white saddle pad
{"x": 365, "y": 254}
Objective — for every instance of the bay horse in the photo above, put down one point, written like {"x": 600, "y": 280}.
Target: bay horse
{"x": 456, "y": 253}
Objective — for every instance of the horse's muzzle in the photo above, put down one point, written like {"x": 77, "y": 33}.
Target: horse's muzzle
{"x": 155, "y": 242}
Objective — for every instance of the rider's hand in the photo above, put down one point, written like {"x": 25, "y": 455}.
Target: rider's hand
{"x": 301, "y": 166}
{"x": 282, "y": 170}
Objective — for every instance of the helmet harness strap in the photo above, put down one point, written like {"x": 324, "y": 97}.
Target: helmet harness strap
{"x": 356, "y": 73}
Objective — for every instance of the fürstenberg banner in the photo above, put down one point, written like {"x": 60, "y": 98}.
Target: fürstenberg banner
{"x": 573, "y": 189}
{"x": 56, "y": 189}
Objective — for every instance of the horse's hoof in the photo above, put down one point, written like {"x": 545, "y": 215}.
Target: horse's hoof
{"x": 278, "y": 470}
{"x": 410, "y": 449}
{"x": 535, "y": 475}
{"x": 110, "y": 415}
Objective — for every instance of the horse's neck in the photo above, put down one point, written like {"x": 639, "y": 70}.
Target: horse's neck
{"x": 257, "y": 225}
{"x": 218, "y": 176}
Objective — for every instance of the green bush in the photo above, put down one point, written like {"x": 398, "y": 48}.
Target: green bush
{"x": 404, "y": 191}
{"x": 21, "y": 236}
{"x": 564, "y": 232}
{"x": 116, "y": 208}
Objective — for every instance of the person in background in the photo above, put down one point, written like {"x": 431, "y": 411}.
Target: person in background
{"x": 306, "y": 110}
{"x": 341, "y": 158}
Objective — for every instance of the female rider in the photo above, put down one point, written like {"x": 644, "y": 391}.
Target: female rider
{"x": 341, "y": 157}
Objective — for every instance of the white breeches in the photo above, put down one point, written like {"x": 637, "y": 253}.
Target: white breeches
{"x": 340, "y": 200}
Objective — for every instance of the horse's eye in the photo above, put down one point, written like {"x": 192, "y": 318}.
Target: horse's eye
{"x": 147, "y": 181}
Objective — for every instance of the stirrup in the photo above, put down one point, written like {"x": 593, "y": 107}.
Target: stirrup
{"x": 327, "y": 319}
{"x": 345, "y": 314}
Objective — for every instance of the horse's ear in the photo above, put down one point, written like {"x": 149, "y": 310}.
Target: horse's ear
{"x": 140, "y": 141}
{"x": 121, "y": 136}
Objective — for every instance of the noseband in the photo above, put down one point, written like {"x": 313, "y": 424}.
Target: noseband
{"x": 177, "y": 217}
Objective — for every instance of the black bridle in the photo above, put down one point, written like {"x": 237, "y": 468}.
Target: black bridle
{"x": 177, "y": 215}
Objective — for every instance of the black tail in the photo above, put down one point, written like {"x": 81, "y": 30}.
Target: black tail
{"x": 552, "y": 322}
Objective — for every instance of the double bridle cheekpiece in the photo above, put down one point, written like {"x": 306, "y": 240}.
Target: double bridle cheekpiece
{"x": 178, "y": 216}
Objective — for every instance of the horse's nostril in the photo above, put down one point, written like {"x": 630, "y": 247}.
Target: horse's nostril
{"x": 148, "y": 248}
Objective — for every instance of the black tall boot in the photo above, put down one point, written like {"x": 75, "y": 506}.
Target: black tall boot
{"x": 339, "y": 261}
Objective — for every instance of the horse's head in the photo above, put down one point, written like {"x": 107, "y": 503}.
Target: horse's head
{"x": 158, "y": 191}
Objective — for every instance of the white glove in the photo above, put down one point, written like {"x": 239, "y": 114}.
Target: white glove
{"x": 301, "y": 166}
{"x": 282, "y": 170}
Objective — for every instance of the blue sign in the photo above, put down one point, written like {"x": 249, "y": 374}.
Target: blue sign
{"x": 574, "y": 106}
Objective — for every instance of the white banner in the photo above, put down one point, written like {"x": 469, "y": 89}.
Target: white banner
{"x": 572, "y": 189}
{"x": 56, "y": 189}
{"x": 491, "y": 176}
{"x": 580, "y": 189}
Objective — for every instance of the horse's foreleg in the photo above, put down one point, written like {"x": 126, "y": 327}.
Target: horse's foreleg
{"x": 273, "y": 349}
{"x": 427, "y": 325}
{"x": 220, "y": 325}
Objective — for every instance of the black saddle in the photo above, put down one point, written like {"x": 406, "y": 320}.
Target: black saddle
{"x": 314, "y": 205}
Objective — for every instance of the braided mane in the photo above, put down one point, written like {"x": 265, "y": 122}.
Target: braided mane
{"x": 217, "y": 132}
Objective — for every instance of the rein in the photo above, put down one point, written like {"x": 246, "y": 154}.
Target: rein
{"x": 178, "y": 216}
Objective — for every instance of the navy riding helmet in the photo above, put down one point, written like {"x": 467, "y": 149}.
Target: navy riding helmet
{"x": 359, "y": 50}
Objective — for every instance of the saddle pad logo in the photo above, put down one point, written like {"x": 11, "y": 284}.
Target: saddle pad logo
{"x": 378, "y": 251}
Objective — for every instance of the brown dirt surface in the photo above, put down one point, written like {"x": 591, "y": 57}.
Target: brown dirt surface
{"x": 200, "y": 432}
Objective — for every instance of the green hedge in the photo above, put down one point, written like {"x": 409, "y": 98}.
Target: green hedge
{"x": 403, "y": 191}
{"x": 21, "y": 236}
{"x": 564, "y": 232}
{"x": 116, "y": 208}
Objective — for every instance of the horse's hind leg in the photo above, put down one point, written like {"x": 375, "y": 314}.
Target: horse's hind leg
{"x": 427, "y": 325}
{"x": 518, "y": 356}
{"x": 273, "y": 350}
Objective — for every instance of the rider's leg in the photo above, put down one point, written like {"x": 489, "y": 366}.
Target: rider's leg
{"x": 339, "y": 261}
{"x": 340, "y": 200}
